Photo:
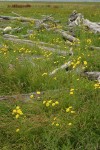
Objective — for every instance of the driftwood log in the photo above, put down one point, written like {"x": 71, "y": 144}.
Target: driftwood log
{"x": 77, "y": 19}
{"x": 94, "y": 48}
{"x": 64, "y": 66}
{"x": 23, "y": 19}
{"x": 40, "y": 45}
{"x": 92, "y": 75}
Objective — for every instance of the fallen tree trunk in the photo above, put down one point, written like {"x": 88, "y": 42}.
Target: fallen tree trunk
{"x": 77, "y": 19}
{"x": 92, "y": 75}
{"x": 23, "y": 19}
{"x": 94, "y": 48}
{"x": 93, "y": 26}
{"x": 64, "y": 66}
{"x": 37, "y": 44}
{"x": 66, "y": 35}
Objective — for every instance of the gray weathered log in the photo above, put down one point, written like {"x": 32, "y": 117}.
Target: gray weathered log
{"x": 64, "y": 66}
{"x": 77, "y": 19}
{"x": 37, "y": 44}
{"x": 92, "y": 75}
{"x": 23, "y": 19}
{"x": 94, "y": 48}
{"x": 66, "y": 35}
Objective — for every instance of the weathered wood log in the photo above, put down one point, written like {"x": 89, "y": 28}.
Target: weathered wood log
{"x": 94, "y": 48}
{"x": 23, "y": 19}
{"x": 66, "y": 35}
{"x": 92, "y": 75}
{"x": 77, "y": 19}
{"x": 25, "y": 97}
{"x": 37, "y": 44}
{"x": 64, "y": 66}
{"x": 95, "y": 27}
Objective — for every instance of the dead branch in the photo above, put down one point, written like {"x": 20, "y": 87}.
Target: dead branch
{"x": 16, "y": 14}
{"x": 64, "y": 66}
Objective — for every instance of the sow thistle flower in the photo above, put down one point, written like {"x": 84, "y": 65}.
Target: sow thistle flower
{"x": 17, "y": 130}
{"x": 69, "y": 124}
{"x": 38, "y": 92}
{"x": 17, "y": 112}
{"x": 50, "y": 103}
{"x": 31, "y": 96}
{"x": 89, "y": 41}
{"x": 57, "y": 124}
{"x": 71, "y": 91}
{"x": 85, "y": 62}
{"x": 97, "y": 85}
{"x": 69, "y": 109}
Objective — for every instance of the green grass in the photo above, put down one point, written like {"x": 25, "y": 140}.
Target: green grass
{"x": 21, "y": 72}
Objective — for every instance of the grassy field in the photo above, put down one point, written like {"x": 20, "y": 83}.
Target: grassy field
{"x": 63, "y": 113}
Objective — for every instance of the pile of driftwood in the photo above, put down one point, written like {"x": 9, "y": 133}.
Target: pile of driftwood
{"x": 50, "y": 24}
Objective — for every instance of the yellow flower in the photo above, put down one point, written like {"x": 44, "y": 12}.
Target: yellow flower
{"x": 73, "y": 112}
{"x": 44, "y": 102}
{"x": 17, "y": 130}
{"x": 74, "y": 66}
{"x": 47, "y": 104}
{"x": 71, "y": 90}
{"x": 89, "y": 41}
{"x": 38, "y": 92}
{"x": 67, "y": 109}
{"x": 57, "y": 124}
{"x": 71, "y": 93}
{"x": 70, "y": 124}
{"x": 31, "y": 96}
{"x": 53, "y": 104}
{"x": 17, "y": 107}
{"x": 79, "y": 58}
{"x": 85, "y": 62}
{"x": 78, "y": 62}
{"x": 56, "y": 102}
{"x": 14, "y": 111}
{"x": 49, "y": 101}
{"x": 17, "y": 116}
{"x": 19, "y": 112}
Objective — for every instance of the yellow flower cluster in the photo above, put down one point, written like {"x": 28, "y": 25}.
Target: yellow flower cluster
{"x": 32, "y": 95}
{"x": 89, "y": 41}
{"x": 75, "y": 63}
{"x": 50, "y": 103}
{"x": 4, "y": 49}
{"x": 69, "y": 109}
{"x": 55, "y": 122}
{"x": 71, "y": 91}
{"x": 97, "y": 86}
{"x": 17, "y": 112}
{"x": 23, "y": 50}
